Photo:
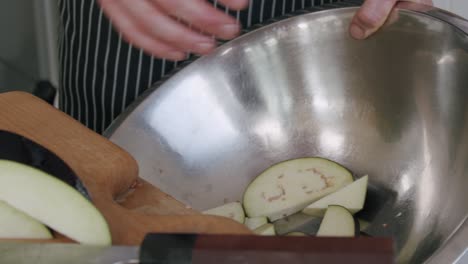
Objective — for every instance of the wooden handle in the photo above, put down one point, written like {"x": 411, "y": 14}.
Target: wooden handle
{"x": 108, "y": 172}
{"x": 188, "y": 248}
{"x": 104, "y": 168}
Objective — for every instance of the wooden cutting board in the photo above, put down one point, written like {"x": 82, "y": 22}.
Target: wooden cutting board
{"x": 131, "y": 206}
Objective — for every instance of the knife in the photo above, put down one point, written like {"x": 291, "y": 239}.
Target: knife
{"x": 298, "y": 222}
{"x": 191, "y": 248}
{"x": 380, "y": 208}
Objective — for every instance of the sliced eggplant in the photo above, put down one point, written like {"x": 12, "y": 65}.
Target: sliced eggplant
{"x": 351, "y": 197}
{"x": 232, "y": 210}
{"x": 265, "y": 230}
{"x": 18, "y": 225}
{"x": 52, "y": 202}
{"x": 289, "y": 186}
{"x": 255, "y": 222}
{"x": 296, "y": 234}
{"x": 337, "y": 222}
{"x": 298, "y": 222}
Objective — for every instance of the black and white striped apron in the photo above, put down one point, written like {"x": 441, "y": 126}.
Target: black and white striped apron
{"x": 101, "y": 74}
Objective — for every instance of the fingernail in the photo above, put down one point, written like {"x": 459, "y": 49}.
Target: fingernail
{"x": 230, "y": 30}
{"x": 357, "y": 32}
{"x": 204, "y": 47}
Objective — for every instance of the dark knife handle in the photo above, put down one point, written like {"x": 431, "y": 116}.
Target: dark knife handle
{"x": 227, "y": 249}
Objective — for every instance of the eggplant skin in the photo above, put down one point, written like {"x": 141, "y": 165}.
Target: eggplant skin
{"x": 357, "y": 227}
{"x": 311, "y": 157}
{"x": 14, "y": 147}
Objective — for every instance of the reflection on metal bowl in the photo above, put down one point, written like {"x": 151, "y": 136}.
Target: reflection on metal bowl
{"x": 394, "y": 106}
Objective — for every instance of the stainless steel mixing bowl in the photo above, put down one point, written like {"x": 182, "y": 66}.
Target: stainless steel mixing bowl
{"x": 394, "y": 106}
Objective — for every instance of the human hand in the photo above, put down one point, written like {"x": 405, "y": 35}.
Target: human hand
{"x": 171, "y": 28}
{"x": 373, "y": 14}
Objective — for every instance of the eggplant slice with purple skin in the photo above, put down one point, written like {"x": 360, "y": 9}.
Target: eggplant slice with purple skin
{"x": 39, "y": 184}
{"x": 17, "y": 148}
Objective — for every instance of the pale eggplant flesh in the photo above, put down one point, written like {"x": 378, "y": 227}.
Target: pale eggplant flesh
{"x": 25, "y": 152}
{"x": 338, "y": 222}
{"x": 287, "y": 187}
{"x": 20, "y": 149}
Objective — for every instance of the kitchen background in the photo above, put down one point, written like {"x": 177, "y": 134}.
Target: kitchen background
{"x": 28, "y": 41}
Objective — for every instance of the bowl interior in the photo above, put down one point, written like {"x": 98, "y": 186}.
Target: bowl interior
{"x": 393, "y": 107}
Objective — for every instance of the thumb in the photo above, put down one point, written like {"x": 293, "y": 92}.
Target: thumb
{"x": 370, "y": 17}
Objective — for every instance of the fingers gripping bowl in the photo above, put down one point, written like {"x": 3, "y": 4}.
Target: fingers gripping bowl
{"x": 394, "y": 107}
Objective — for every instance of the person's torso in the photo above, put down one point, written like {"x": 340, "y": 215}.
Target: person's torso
{"x": 101, "y": 74}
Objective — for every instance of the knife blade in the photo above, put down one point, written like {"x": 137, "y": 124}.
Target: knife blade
{"x": 380, "y": 206}
{"x": 298, "y": 222}
{"x": 27, "y": 253}
{"x": 191, "y": 248}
